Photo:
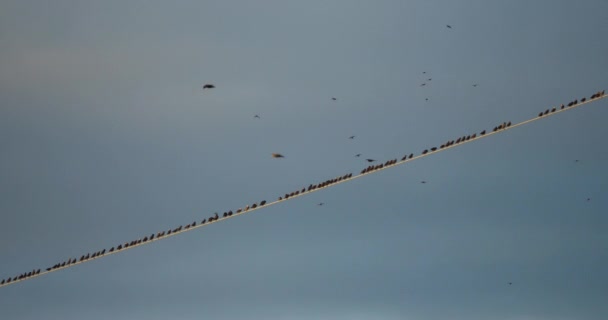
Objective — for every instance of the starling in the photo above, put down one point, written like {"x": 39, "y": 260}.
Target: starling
{"x": 208, "y": 86}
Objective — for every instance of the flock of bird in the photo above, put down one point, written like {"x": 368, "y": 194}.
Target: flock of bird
{"x": 309, "y": 188}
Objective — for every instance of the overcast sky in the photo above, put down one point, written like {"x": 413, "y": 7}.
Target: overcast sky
{"x": 106, "y": 136}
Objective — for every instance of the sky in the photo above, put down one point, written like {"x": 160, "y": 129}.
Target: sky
{"x": 106, "y": 136}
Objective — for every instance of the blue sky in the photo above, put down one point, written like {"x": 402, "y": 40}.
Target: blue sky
{"x": 106, "y": 136}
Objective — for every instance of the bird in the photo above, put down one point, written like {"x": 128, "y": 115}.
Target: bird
{"x": 422, "y": 85}
{"x": 277, "y": 155}
{"x": 422, "y": 181}
{"x": 576, "y": 160}
{"x": 423, "y": 72}
{"x": 430, "y": 79}
{"x": 358, "y": 155}
{"x": 334, "y": 99}
{"x": 320, "y": 204}
{"x": 351, "y": 137}
{"x": 426, "y": 99}
{"x": 256, "y": 116}
{"x": 370, "y": 160}
{"x": 208, "y": 86}
{"x": 510, "y": 283}
{"x": 588, "y": 199}
{"x": 449, "y": 26}
{"x": 475, "y": 85}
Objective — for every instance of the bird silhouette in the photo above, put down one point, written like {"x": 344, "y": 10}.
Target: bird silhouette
{"x": 277, "y": 155}
{"x": 334, "y": 99}
{"x": 475, "y": 85}
{"x": 423, "y": 72}
{"x": 320, "y": 204}
{"x": 358, "y": 155}
{"x": 256, "y": 116}
{"x": 426, "y": 99}
{"x": 510, "y": 283}
{"x": 449, "y": 26}
{"x": 351, "y": 137}
{"x": 208, "y": 86}
{"x": 588, "y": 199}
{"x": 422, "y": 181}
{"x": 370, "y": 160}
{"x": 422, "y": 85}
{"x": 430, "y": 79}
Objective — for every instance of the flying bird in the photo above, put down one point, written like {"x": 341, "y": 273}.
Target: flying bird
{"x": 588, "y": 199}
{"x": 449, "y": 26}
{"x": 334, "y": 99}
{"x": 256, "y": 116}
{"x": 370, "y": 160}
{"x": 422, "y": 181}
{"x": 277, "y": 155}
{"x": 510, "y": 283}
{"x": 358, "y": 155}
{"x": 208, "y": 86}
{"x": 475, "y": 85}
{"x": 422, "y": 85}
{"x": 320, "y": 204}
{"x": 430, "y": 79}
{"x": 351, "y": 137}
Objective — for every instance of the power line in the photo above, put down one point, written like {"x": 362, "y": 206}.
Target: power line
{"x": 326, "y": 184}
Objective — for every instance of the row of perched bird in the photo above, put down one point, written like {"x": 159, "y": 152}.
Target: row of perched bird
{"x": 310, "y": 188}
{"x": 598, "y": 94}
{"x": 121, "y": 246}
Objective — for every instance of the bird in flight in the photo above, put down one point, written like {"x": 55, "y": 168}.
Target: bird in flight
{"x": 423, "y": 72}
{"x": 588, "y": 199}
{"x": 510, "y": 283}
{"x": 370, "y": 160}
{"x": 334, "y": 99}
{"x": 576, "y": 160}
{"x": 320, "y": 204}
{"x": 208, "y": 86}
{"x": 430, "y": 79}
{"x": 256, "y": 116}
{"x": 426, "y": 99}
{"x": 422, "y": 85}
{"x": 449, "y": 26}
{"x": 351, "y": 137}
{"x": 475, "y": 85}
{"x": 422, "y": 181}
{"x": 277, "y": 155}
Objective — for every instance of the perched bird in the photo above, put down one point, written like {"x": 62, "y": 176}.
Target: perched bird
{"x": 208, "y": 86}
{"x": 358, "y": 155}
{"x": 449, "y": 26}
{"x": 256, "y": 116}
{"x": 277, "y": 155}
{"x": 370, "y": 160}
{"x": 351, "y": 137}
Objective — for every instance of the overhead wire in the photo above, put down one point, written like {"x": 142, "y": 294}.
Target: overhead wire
{"x": 349, "y": 177}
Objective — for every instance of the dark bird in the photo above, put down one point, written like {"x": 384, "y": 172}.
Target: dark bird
{"x": 277, "y": 155}
{"x": 576, "y": 160}
{"x": 256, "y": 116}
{"x": 430, "y": 79}
{"x": 588, "y": 199}
{"x": 422, "y": 85}
{"x": 334, "y": 99}
{"x": 423, "y": 72}
{"x": 510, "y": 283}
{"x": 426, "y": 99}
{"x": 370, "y": 160}
{"x": 208, "y": 86}
{"x": 358, "y": 155}
{"x": 422, "y": 181}
{"x": 475, "y": 85}
{"x": 449, "y": 26}
{"x": 320, "y": 204}
{"x": 351, "y": 137}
